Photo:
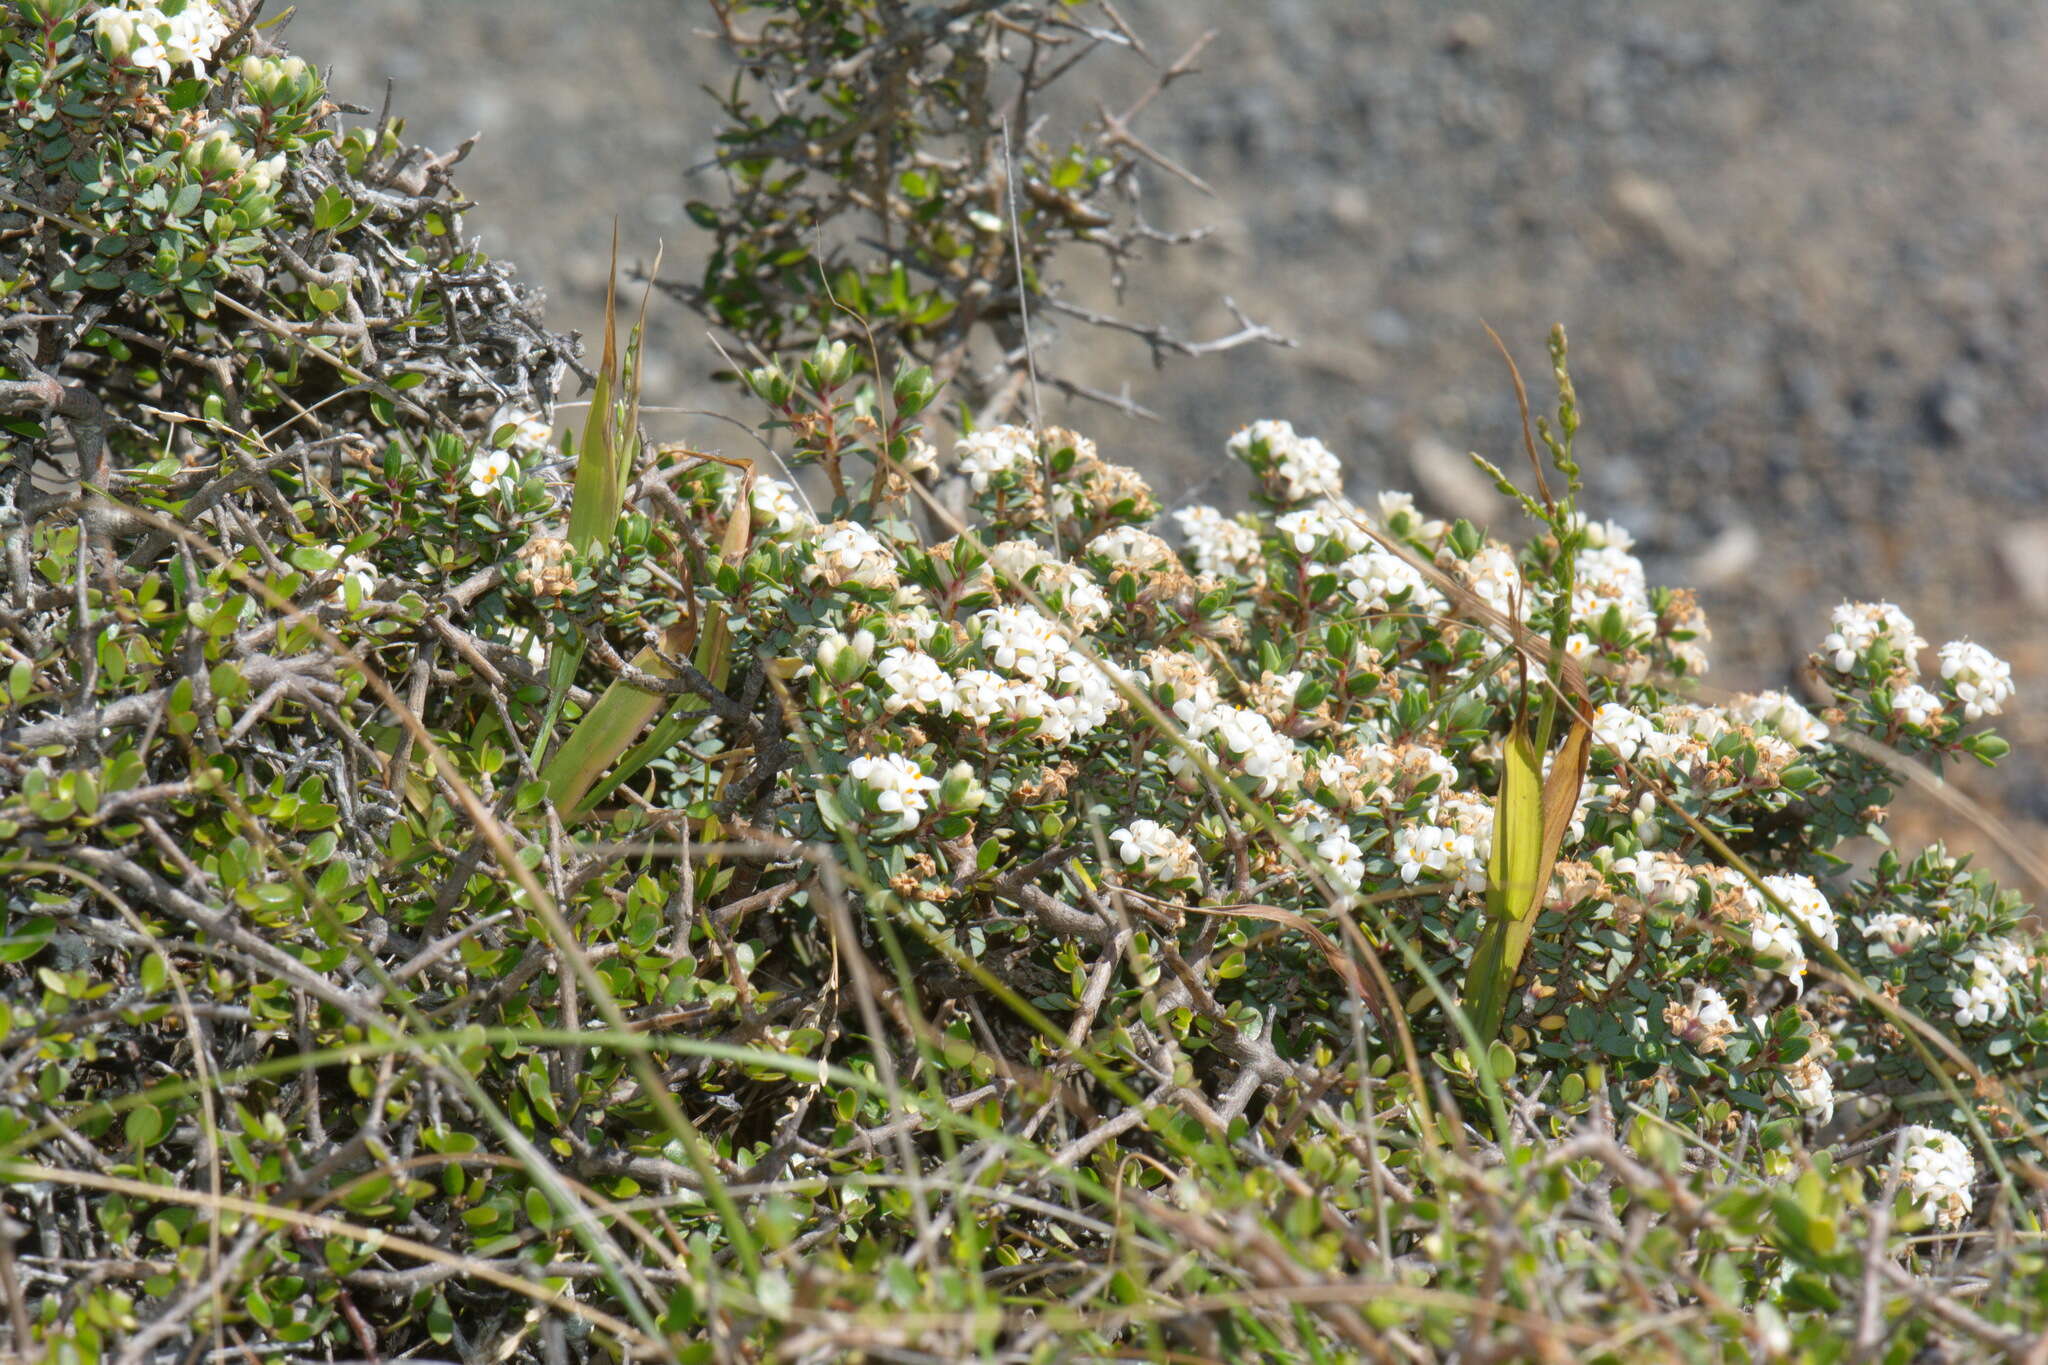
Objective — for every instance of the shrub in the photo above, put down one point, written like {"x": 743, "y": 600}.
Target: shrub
{"x": 727, "y": 914}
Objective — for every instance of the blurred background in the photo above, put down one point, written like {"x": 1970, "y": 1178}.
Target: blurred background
{"x": 1799, "y": 246}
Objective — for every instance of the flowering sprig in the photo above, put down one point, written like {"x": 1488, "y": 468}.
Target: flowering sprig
{"x": 1307, "y": 708}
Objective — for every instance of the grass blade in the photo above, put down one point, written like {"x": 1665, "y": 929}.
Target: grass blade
{"x": 1530, "y": 817}
{"x": 589, "y": 766}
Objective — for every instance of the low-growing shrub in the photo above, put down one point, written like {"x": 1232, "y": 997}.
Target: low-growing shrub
{"x": 468, "y": 898}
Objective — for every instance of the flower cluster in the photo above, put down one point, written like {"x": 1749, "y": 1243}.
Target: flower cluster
{"x": 1704, "y": 1023}
{"x": 1876, "y": 633}
{"x": 1220, "y": 546}
{"x": 1781, "y": 714}
{"x": 1778, "y": 938}
{"x": 1985, "y": 999}
{"x": 988, "y": 456}
{"x": 1340, "y": 669}
{"x": 848, "y": 552}
{"x": 1294, "y": 468}
{"x": 1939, "y": 1174}
{"x": 145, "y": 37}
{"x": 1982, "y": 681}
{"x": 1156, "y": 852}
{"x": 895, "y": 786}
{"x": 1244, "y": 738}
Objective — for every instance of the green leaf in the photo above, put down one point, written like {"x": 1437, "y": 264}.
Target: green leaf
{"x": 1530, "y": 817}
{"x": 185, "y": 94}
{"x": 144, "y": 1125}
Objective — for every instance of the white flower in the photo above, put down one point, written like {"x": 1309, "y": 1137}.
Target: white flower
{"x": 1982, "y": 680}
{"x": 1610, "y": 576}
{"x": 1304, "y": 529}
{"x": 1264, "y": 753}
{"x": 915, "y": 682}
{"x": 780, "y": 505}
{"x": 1088, "y": 695}
{"x": 1395, "y": 505}
{"x": 191, "y": 35}
{"x": 1015, "y": 559}
{"x": 1294, "y": 467}
{"x": 1621, "y": 730}
{"x": 1897, "y": 932}
{"x": 919, "y": 458}
{"x": 1774, "y": 937}
{"x": 1220, "y": 547}
{"x": 1988, "y": 996}
{"x": 488, "y": 469}
{"x": 1398, "y": 514}
{"x": 1804, "y": 899}
{"x": 899, "y": 786}
{"x": 1781, "y": 714}
{"x": 850, "y": 553}
{"x": 145, "y": 36}
{"x": 530, "y": 431}
{"x": 1983, "y": 1001}
{"x": 1705, "y": 1023}
{"x": 1861, "y": 625}
{"x": 1337, "y": 773}
{"x": 1813, "y": 1089}
{"x": 1939, "y": 1173}
{"x": 1914, "y": 705}
{"x": 1659, "y": 879}
{"x": 1128, "y": 547}
{"x": 1186, "y": 674}
{"x": 1021, "y": 641}
{"x": 1023, "y": 563}
{"x": 1307, "y": 469}
{"x": 1245, "y": 737}
{"x": 1346, "y": 522}
{"x": 1080, "y": 597}
{"x": 355, "y": 569}
{"x": 978, "y": 694}
{"x": 1604, "y": 535}
{"x": 1444, "y": 854}
{"x": 1375, "y": 579}
{"x": 987, "y": 455}
{"x": 1024, "y": 700}
{"x": 1336, "y": 850}
{"x": 2004, "y": 954}
{"x": 1158, "y": 853}
{"x": 1493, "y": 576}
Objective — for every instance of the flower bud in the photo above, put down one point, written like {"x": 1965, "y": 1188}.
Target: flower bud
{"x": 118, "y": 33}
{"x": 279, "y": 82}
{"x": 216, "y": 156}
{"x": 961, "y": 790}
{"x": 914, "y": 390}
{"x": 842, "y": 659}
{"x": 769, "y": 384}
{"x": 262, "y": 176}
{"x": 831, "y": 364}
{"x": 24, "y": 81}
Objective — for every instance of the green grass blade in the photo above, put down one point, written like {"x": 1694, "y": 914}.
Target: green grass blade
{"x": 666, "y": 734}
{"x": 605, "y": 458}
{"x": 594, "y": 508}
{"x": 1512, "y": 868}
{"x": 1530, "y": 817}
{"x": 607, "y": 730}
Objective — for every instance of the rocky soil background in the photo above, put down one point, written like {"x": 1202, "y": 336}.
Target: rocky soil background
{"x": 1798, "y": 245}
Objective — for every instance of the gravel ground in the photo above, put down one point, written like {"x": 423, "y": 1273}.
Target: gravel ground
{"x": 1797, "y": 244}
